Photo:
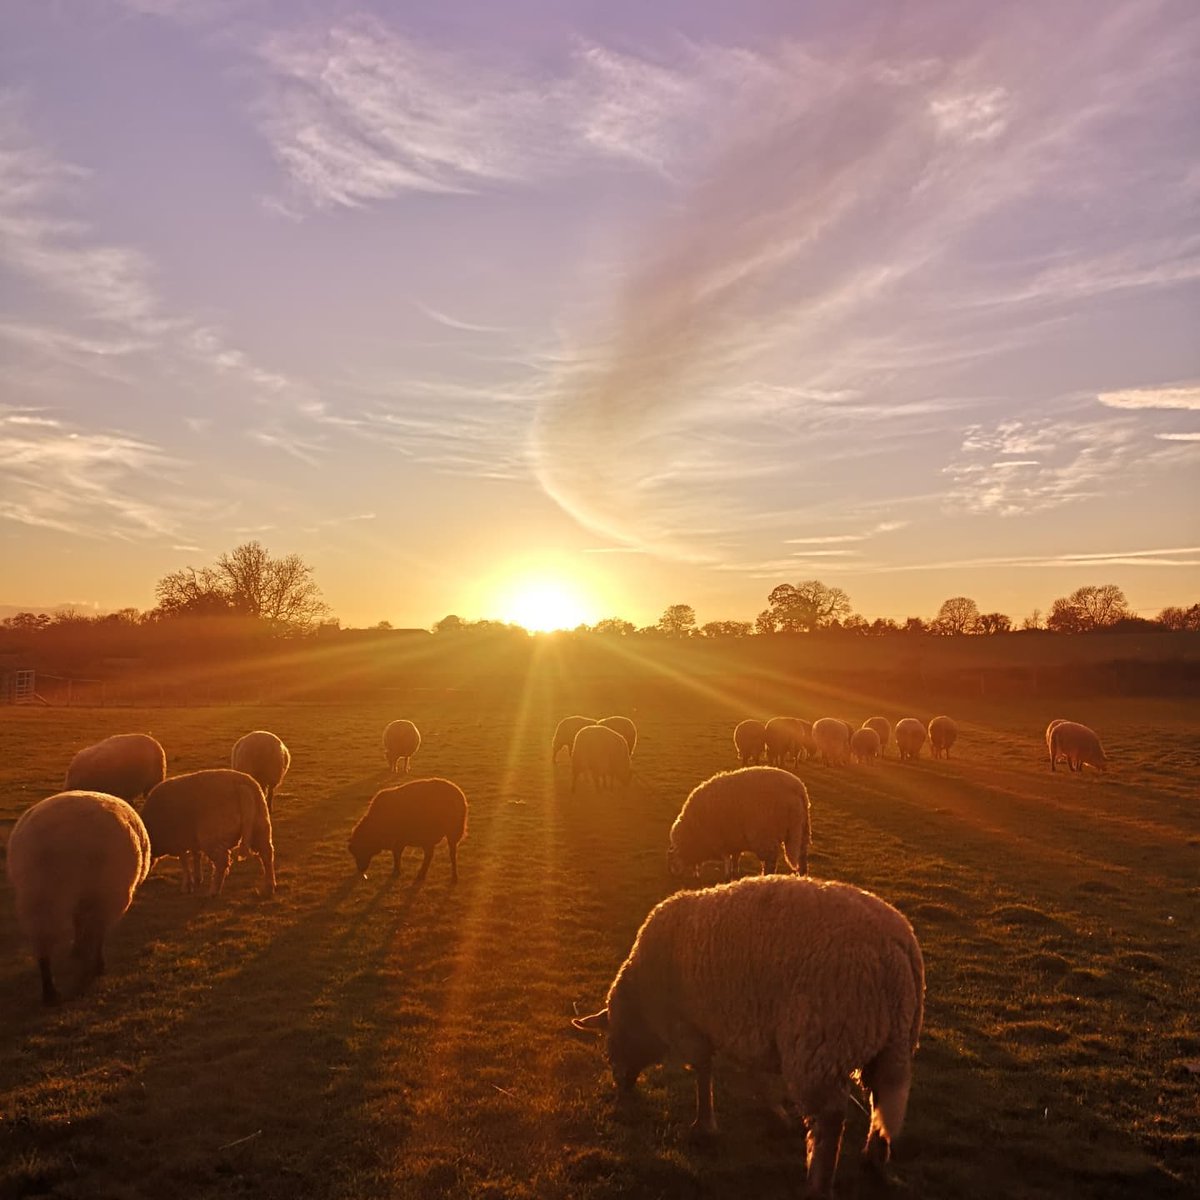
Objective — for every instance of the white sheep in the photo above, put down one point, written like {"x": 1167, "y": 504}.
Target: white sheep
{"x": 625, "y": 727}
{"x": 125, "y": 765}
{"x": 75, "y": 861}
{"x": 210, "y": 812}
{"x": 832, "y": 740}
{"x": 602, "y": 754}
{"x": 401, "y": 740}
{"x": 943, "y": 733}
{"x": 782, "y": 741}
{"x": 864, "y": 745}
{"x": 1049, "y": 731}
{"x": 264, "y": 758}
{"x": 565, "y": 731}
{"x": 910, "y": 737}
{"x": 1078, "y": 744}
{"x": 750, "y": 740}
{"x": 758, "y": 809}
{"x": 788, "y": 975}
{"x": 804, "y": 738}
{"x": 883, "y": 727}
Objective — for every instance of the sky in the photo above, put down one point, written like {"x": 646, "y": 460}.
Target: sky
{"x": 652, "y": 304}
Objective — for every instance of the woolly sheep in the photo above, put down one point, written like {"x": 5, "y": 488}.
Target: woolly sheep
{"x": 75, "y": 860}
{"x": 564, "y": 733}
{"x": 1078, "y": 744}
{"x": 401, "y": 740}
{"x": 883, "y": 727}
{"x": 210, "y": 812}
{"x": 782, "y": 741}
{"x": 125, "y": 765}
{"x": 808, "y": 979}
{"x": 602, "y": 754}
{"x": 804, "y": 738}
{"x": 943, "y": 733}
{"x": 420, "y": 813}
{"x": 864, "y": 745}
{"x": 625, "y": 727}
{"x": 832, "y": 740}
{"x": 753, "y": 808}
{"x": 910, "y": 737}
{"x": 1049, "y": 730}
{"x": 264, "y": 758}
{"x": 750, "y": 740}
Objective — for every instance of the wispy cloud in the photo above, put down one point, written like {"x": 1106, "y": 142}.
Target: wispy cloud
{"x": 1174, "y": 397}
{"x": 1178, "y": 556}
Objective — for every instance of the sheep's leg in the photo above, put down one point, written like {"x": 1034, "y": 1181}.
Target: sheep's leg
{"x": 888, "y": 1080}
{"x": 220, "y": 862}
{"x": 824, "y": 1145}
{"x": 425, "y": 864}
{"x": 270, "y": 796}
{"x": 397, "y": 854}
{"x": 453, "y": 861}
{"x": 49, "y": 991}
{"x": 266, "y": 856}
{"x": 705, "y": 1123}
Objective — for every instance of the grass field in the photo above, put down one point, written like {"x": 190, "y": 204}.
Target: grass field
{"x": 365, "y": 1039}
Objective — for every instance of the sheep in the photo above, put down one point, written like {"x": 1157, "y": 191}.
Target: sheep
{"x": 210, "y": 812}
{"x": 422, "y": 813}
{"x": 883, "y": 727}
{"x": 782, "y": 741}
{"x": 750, "y": 740}
{"x": 401, "y": 740}
{"x": 602, "y": 754}
{"x": 264, "y": 758}
{"x": 75, "y": 860}
{"x": 1078, "y": 744}
{"x": 127, "y": 765}
{"x": 910, "y": 737}
{"x": 565, "y": 731}
{"x": 832, "y": 740}
{"x": 943, "y": 733}
{"x": 625, "y": 727}
{"x": 804, "y": 738}
{"x": 753, "y": 808}
{"x": 865, "y": 745}
{"x": 811, "y": 980}
{"x": 1049, "y": 730}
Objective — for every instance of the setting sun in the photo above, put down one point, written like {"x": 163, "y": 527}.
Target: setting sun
{"x": 542, "y": 605}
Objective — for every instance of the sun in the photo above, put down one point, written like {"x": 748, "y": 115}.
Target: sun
{"x": 544, "y": 604}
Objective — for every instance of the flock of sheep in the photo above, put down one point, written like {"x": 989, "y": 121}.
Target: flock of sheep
{"x": 799, "y": 979}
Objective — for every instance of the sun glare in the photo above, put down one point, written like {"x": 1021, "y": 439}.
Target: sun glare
{"x": 542, "y": 605}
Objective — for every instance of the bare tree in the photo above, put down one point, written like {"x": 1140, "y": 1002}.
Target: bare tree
{"x": 958, "y": 615}
{"x": 803, "y": 607}
{"x": 993, "y": 623}
{"x": 1088, "y": 608}
{"x": 1177, "y": 619}
{"x": 678, "y": 621}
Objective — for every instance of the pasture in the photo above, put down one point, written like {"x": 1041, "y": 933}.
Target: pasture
{"x": 355, "y": 1038}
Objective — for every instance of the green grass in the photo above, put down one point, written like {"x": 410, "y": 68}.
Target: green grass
{"x": 362, "y": 1039}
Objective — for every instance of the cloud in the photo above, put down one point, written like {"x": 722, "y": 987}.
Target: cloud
{"x": 1179, "y": 556}
{"x": 1178, "y": 437}
{"x": 1174, "y": 397}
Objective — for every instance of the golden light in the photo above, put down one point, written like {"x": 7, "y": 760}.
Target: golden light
{"x": 542, "y": 603}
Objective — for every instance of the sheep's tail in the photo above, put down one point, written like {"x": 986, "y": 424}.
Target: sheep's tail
{"x": 799, "y": 836}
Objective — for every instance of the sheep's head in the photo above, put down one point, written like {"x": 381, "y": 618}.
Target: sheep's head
{"x": 631, "y": 1046}
{"x": 360, "y": 850}
{"x": 677, "y": 868}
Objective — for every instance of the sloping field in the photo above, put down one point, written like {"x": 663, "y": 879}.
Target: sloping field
{"x": 364, "y": 1039}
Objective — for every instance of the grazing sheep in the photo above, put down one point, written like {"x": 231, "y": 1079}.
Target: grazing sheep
{"x": 943, "y": 733}
{"x": 910, "y": 737}
{"x": 420, "y": 813}
{"x": 750, "y": 740}
{"x": 1078, "y": 744}
{"x": 564, "y": 733}
{"x": 864, "y": 745}
{"x": 264, "y": 758}
{"x": 832, "y": 739}
{"x": 788, "y": 976}
{"x": 782, "y": 741}
{"x": 753, "y": 808}
{"x": 603, "y": 755}
{"x": 804, "y": 738}
{"x": 625, "y": 727}
{"x": 210, "y": 812}
{"x": 883, "y": 727}
{"x": 401, "y": 740}
{"x": 125, "y": 765}
{"x": 75, "y": 860}
{"x": 1049, "y": 730}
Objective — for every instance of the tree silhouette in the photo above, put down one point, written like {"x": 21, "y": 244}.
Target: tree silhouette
{"x": 1087, "y": 609}
{"x": 958, "y": 615}
{"x": 678, "y": 621}
{"x": 803, "y": 607}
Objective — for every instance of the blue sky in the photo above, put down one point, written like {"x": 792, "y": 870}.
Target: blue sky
{"x": 675, "y": 302}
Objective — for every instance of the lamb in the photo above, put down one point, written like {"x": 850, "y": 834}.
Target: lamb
{"x": 210, "y": 812}
{"x": 812, "y": 980}
{"x": 910, "y": 737}
{"x": 625, "y": 727}
{"x": 883, "y": 727}
{"x": 564, "y": 733}
{"x": 125, "y": 765}
{"x": 75, "y": 861}
{"x": 750, "y": 740}
{"x": 865, "y": 745}
{"x": 832, "y": 739}
{"x": 602, "y": 754}
{"x": 753, "y": 808}
{"x": 401, "y": 740}
{"x": 782, "y": 741}
{"x": 422, "y": 812}
{"x": 943, "y": 733}
{"x": 264, "y": 758}
{"x": 1078, "y": 744}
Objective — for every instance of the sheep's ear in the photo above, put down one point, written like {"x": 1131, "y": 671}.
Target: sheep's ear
{"x": 597, "y": 1022}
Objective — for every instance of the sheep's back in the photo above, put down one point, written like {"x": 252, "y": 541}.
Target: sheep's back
{"x": 737, "y": 810}
{"x": 124, "y": 765}
{"x": 263, "y": 756}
